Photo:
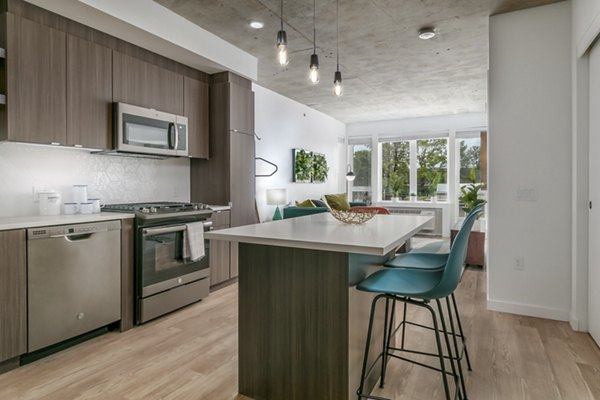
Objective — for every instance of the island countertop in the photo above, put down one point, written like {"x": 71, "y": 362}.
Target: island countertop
{"x": 378, "y": 236}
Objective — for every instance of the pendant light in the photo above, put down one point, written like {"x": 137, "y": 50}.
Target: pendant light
{"x": 313, "y": 75}
{"x": 337, "y": 77}
{"x": 282, "y": 53}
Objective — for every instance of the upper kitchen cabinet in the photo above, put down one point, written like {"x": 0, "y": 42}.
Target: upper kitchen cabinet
{"x": 89, "y": 94}
{"x": 143, "y": 84}
{"x": 34, "y": 77}
{"x": 195, "y": 108}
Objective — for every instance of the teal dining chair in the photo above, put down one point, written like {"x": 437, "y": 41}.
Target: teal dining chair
{"x": 432, "y": 262}
{"x": 419, "y": 288}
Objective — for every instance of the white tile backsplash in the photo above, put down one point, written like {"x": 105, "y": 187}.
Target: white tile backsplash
{"x": 112, "y": 178}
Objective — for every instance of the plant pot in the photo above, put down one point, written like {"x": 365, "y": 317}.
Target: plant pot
{"x": 395, "y": 199}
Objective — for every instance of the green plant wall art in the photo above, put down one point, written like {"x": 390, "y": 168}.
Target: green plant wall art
{"x": 309, "y": 166}
{"x": 320, "y": 168}
{"x": 303, "y": 166}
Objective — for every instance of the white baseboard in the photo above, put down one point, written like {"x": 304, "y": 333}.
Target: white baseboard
{"x": 576, "y": 324}
{"x": 529, "y": 310}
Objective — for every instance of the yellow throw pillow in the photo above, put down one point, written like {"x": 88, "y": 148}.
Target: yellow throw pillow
{"x": 305, "y": 204}
{"x": 338, "y": 201}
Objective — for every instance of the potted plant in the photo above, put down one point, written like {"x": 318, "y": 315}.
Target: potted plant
{"x": 397, "y": 182}
{"x": 469, "y": 198}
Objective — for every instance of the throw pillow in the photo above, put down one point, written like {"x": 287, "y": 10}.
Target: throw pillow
{"x": 338, "y": 201}
{"x": 318, "y": 203}
{"x": 305, "y": 204}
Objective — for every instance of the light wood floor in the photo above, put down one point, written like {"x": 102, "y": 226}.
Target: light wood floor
{"x": 192, "y": 354}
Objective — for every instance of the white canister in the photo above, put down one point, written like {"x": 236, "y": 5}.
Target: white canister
{"x": 70, "y": 208}
{"x": 80, "y": 194}
{"x": 86, "y": 208}
{"x": 96, "y": 204}
{"x": 49, "y": 203}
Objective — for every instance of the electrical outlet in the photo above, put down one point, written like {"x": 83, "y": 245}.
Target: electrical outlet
{"x": 519, "y": 263}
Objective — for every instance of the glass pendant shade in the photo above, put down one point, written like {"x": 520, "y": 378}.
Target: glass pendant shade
{"x": 282, "y": 53}
{"x": 337, "y": 83}
{"x": 313, "y": 75}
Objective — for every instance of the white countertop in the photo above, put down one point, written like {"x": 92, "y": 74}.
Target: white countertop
{"x": 34, "y": 221}
{"x": 378, "y": 236}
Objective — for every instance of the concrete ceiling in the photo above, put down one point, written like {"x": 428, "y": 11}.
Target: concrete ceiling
{"x": 388, "y": 73}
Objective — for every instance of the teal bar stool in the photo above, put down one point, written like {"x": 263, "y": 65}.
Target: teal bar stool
{"x": 419, "y": 288}
{"x": 432, "y": 262}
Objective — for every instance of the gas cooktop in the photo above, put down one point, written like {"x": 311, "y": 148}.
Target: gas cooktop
{"x": 162, "y": 208}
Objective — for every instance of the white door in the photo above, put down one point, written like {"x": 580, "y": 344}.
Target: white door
{"x": 594, "y": 186}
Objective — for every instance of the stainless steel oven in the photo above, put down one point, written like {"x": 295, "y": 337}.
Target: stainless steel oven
{"x": 165, "y": 279}
{"x": 146, "y": 131}
{"x": 163, "y": 265}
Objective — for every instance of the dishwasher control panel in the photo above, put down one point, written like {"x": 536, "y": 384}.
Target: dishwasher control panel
{"x": 72, "y": 230}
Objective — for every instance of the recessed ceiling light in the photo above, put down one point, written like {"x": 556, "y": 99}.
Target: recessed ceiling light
{"x": 426, "y": 33}
{"x": 257, "y": 24}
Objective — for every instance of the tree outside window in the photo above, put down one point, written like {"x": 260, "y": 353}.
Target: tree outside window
{"x": 395, "y": 170}
{"x": 470, "y": 162}
{"x": 361, "y": 165}
{"x": 432, "y": 167}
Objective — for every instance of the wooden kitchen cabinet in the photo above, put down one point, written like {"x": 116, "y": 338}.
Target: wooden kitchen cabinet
{"x": 13, "y": 295}
{"x": 228, "y": 176}
{"x": 195, "y": 108}
{"x": 143, "y": 84}
{"x": 89, "y": 94}
{"x": 35, "y": 81}
{"x": 223, "y": 261}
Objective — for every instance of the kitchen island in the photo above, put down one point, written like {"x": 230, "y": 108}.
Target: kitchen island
{"x": 302, "y": 323}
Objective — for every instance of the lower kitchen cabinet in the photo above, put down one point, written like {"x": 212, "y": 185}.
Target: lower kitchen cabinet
{"x": 223, "y": 255}
{"x": 13, "y": 294}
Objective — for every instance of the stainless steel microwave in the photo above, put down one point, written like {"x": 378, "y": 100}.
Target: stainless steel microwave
{"x": 146, "y": 131}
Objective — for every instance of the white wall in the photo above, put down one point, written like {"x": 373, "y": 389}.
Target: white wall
{"x": 284, "y": 124}
{"x": 530, "y": 162}
{"x": 112, "y": 178}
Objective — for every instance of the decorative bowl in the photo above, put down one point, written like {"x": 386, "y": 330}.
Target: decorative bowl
{"x": 353, "y": 217}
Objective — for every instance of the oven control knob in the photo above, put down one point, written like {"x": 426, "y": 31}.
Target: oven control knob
{"x": 145, "y": 210}
{"x": 196, "y": 206}
{"x": 179, "y": 280}
{"x": 153, "y": 210}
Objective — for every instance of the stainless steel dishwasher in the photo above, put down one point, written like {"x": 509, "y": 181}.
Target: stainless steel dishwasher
{"x": 74, "y": 280}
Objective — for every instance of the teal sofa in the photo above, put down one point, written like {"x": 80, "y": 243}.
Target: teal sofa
{"x": 293, "y": 211}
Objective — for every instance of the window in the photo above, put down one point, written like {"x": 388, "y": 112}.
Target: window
{"x": 361, "y": 165}
{"x": 470, "y": 160}
{"x": 418, "y": 166}
{"x": 432, "y": 168}
{"x": 395, "y": 170}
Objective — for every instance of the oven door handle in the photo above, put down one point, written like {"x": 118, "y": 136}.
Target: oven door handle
{"x": 171, "y": 229}
{"x": 160, "y": 231}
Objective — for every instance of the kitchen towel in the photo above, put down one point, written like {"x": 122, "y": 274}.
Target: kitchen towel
{"x": 193, "y": 241}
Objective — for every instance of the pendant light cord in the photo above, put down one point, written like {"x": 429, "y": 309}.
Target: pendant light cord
{"x": 281, "y": 14}
{"x": 314, "y": 26}
{"x": 337, "y": 29}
